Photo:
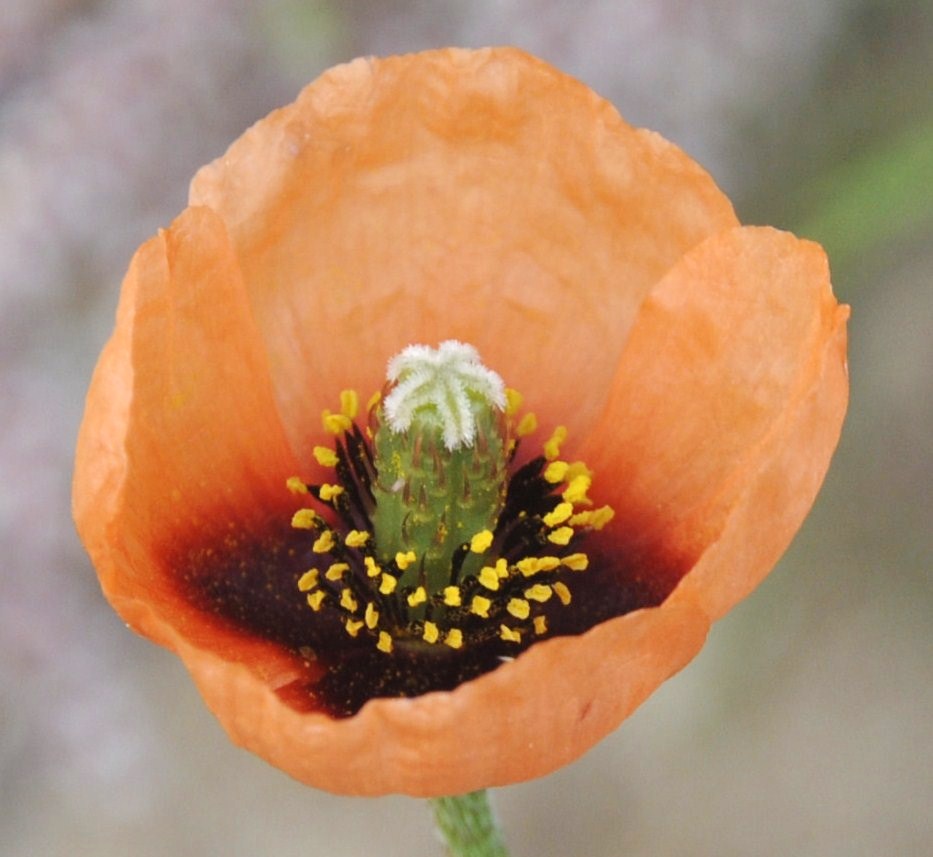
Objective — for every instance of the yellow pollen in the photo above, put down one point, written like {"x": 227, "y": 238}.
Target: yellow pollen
{"x": 324, "y": 542}
{"x": 502, "y": 567}
{"x": 540, "y": 623}
{"x": 387, "y": 584}
{"x": 540, "y": 592}
{"x": 560, "y": 513}
{"x": 324, "y": 456}
{"x": 526, "y": 425}
{"x": 308, "y": 580}
{"x": 374, "y": 400}
{"x": 519, "y": 608}
{"x": 489, "y": 578}
{"x": 561, "y": 536}
{"x": 349, "y": 404}
{"x": 336, "y": 423}
{"x": 454, "y": 638}
{"x": 305, "y": 519}
{"x": 356, "y": 538}
{"x": 533, "y": 564}
{"x": 556, "y": 472}
{"x": 578, "y": 468}
{"x": 296, "y": 485}
{"x": 509, "y": 634}
{"x": 480, "y": 606}
{"x": 371, "y": 616}
{"x": 552, "y": 444}
{"x": 576, "y": 490}
{"x": 575, "y": 561}
{"x": 403, "y": 560}
{"x": 315, "y": 599}
{"x": 419, "y": 596}
{"x": 513, "y": 401}
{"x": 431, "y": 633}
{"x": 328, "y": 492}
{"x": 602, "y": 516}
{"x": 335, "y": 572}
{"x": 452, "y": 596}
{"x": 372, "y": 567}
{"x": 562, "y": 592}
{"x": 347, "y": 601}
{"x": 481, "y": 541}
{"x": 384, "y": 643}
{"x": 353, "y": 626}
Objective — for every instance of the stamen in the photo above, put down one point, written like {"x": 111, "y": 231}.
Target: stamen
{"x": 437, "y": 529}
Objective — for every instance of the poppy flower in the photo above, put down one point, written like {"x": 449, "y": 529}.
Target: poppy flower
{"x": 480, "y": 220}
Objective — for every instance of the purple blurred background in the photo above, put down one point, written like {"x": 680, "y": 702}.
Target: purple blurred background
{"x": 804, "y": 727}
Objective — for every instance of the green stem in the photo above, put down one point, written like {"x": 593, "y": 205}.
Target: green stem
{"x": 468, "y": 827}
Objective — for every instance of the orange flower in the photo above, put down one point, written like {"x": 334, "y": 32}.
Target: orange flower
{"x": 698, "y": 365}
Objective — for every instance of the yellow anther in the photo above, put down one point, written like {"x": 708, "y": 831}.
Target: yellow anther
{"x": 540, "y": 592}
{"x": 296, "y": 485}
{"x": 502, "y": 568}
{"x": 419, "y": 596}
{"x": 353, "y": 626}
{"x": 324, "y": 542}
{"x": 308, "y": 580}
{"x": 431, "y": 633}
{"x": 347, "y": 601}
{"x": 510, "y": 635}
{"x": 315, "y": 599}
{"x": 384, "y": 643}
{"x": 387, "y": 584}
{"x": 488, "y": 578}
{"x": 575, "y": 561}
{"x": 526, "y": 425}
{"x": 452, "y": 596}
{"x": 324, "y": 456}
{"x": 328, "y": 492}
{"x": 336, "y": 571}
{"x": 481, "y": 541}
{"x": 305, "y": 519}
{"x": 336, "y": 423}
{"x": 480, "y": 606}
{"x": 534, "y": 564}
{"x": 403, "y": 560}
{"x": 556, "y": 472}
{"x": 578, "y": 468}
{"x": 371, "y": 616}
{"x": 560, "y": 513}
{"x": 513, "y": 401}
{"x": 373, "y": 400}
{"x": 561, "y": 536}
{"x": 540, "y": 624}
{"x": 349, "y": 404}
{"x": 356, "y": 538}
{"x": 562, "y": 592}
{"x": 519, "y": 608}
{"x": 552, "y": 444}
{"x": 602, "y": 516}
{"x": 454, "y": 638}
{"x": 372, "y": 567}
{"x": 576, "y": 490}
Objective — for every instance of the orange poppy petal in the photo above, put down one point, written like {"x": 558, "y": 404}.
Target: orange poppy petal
{"x": 726, "y": 350}
{"x": 477, "y": 195}
{"x": 523, "y": 720}
{"x": 180, "y": 432}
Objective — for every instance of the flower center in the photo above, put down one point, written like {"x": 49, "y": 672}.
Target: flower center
{"x": 439, "y": 540}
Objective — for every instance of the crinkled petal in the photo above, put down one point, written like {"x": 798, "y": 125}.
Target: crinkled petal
{"x": 474, "y": 195}
{"x": 180, "y": 433}
{"x": 724, "y": 352}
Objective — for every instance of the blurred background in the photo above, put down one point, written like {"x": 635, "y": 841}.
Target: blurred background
{"x": 805, "y": 725}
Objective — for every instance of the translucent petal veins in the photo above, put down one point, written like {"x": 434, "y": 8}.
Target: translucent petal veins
{"x": 484, "y": 549}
